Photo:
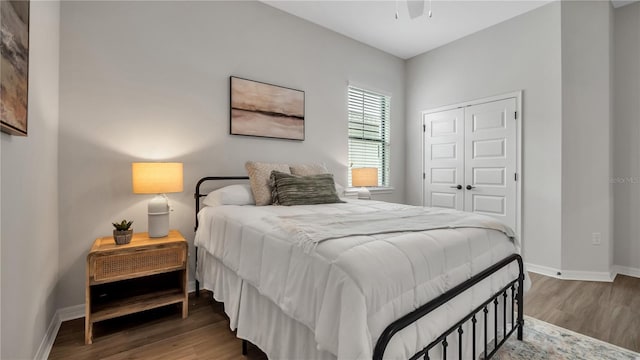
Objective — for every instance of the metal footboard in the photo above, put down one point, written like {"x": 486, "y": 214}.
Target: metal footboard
{"x": 513, "y": 290}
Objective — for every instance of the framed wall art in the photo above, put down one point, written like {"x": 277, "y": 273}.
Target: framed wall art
{"x": 14, "y": 69}
{"x": 265, "y": 110}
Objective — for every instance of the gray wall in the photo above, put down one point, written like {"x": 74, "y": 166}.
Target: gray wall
{"x": 520, "y": 54}
{"x": 149, "y": 81}
{"x": 586, "y": 142}
{"x": 626, "y": 144}
{"x": 29, "y": 264}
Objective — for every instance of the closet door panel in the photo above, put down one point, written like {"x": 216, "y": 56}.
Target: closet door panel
{"x": 490, "y": 160}
{"x": 443, "y": 159}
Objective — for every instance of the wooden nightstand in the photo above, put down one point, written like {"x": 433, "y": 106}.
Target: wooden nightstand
{"x": 124, "y": 279}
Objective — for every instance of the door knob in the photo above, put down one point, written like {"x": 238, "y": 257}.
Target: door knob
{"x": 469, "y": 187}
{"x": 459, "y": 187}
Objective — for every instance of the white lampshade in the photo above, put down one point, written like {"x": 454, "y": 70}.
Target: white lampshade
{"x": 156, "y": 178}
{"x": 364, "y": 177}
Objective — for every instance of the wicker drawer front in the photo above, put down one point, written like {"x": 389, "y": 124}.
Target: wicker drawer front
{"x": 113, "y": 266}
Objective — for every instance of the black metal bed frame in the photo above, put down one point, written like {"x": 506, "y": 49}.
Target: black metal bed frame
{"x": 197, "y": 195}
{"x": 513, "y": 291}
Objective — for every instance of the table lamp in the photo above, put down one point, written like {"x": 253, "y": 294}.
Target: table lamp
{"x": 157, "y": 178}
{"x": 364, "y": 177}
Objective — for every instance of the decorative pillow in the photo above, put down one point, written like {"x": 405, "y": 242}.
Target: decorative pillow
{"x": 314, "y": 169}
{"x": 308, "y": 169}
{"x": 303, "y": 190}
{"x": 259, "y": 174}
{"x": 239, "y": 194}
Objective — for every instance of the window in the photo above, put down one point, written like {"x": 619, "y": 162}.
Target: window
{"x": 369, "y": 122}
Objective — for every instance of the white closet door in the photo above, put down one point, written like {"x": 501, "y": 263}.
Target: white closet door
{"x": 490, "y": 160}
{"x": 444, "y": 159}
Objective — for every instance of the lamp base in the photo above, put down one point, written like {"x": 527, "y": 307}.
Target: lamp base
{"x": 158, "y": 216}
{"x": 364, "y": 194}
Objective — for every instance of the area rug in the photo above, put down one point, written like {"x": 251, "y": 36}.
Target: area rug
{"x": 543, "y": 341}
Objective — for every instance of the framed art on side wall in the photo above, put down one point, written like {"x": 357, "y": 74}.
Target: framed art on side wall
{"x": 265, "y": 110}
{"x": 14, "y": 66}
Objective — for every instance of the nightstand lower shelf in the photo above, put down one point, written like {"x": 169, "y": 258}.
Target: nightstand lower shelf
{"x": 121, "y": 307}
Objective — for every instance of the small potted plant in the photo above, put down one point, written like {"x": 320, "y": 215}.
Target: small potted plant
{"x": 123, "y": 232}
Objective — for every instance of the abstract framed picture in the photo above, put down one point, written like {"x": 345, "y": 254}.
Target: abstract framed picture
{"x": 265, "y": 110}
{"x": 14, "y": 66}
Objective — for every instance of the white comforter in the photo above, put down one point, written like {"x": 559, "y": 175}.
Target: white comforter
{"x": 349, "y": 289}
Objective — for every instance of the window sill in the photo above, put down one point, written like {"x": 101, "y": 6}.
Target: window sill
{"x": 372, "y": 190}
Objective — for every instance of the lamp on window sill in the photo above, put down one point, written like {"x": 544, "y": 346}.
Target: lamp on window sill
{"x": 363, "y": 178}
{"x": 159, "y": 179}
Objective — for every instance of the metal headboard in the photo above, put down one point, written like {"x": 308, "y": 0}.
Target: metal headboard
{"x": 197, "y": 195}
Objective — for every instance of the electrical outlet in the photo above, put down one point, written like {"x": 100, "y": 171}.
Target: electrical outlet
{"x": 596, "y": 238}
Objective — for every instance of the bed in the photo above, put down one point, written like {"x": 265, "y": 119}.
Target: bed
{"x": 451, "y": 291}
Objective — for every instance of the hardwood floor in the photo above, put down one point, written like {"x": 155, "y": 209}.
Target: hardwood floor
{"x": 607, "y": 311}
{"x": 156, "y": 334}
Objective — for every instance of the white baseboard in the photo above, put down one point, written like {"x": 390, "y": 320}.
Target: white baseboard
{"x": 49, "y": 338}
{"x": 71, "y": 312}
{"x": 543, "y": 270}
{"x": 573, "y": 275}
{"x": 625, "y": 270}
{"x": 65, "y": 314}
{"x": 589, "y": 275}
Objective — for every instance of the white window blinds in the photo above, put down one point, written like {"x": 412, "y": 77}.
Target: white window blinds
{"x": 369, "y": 123}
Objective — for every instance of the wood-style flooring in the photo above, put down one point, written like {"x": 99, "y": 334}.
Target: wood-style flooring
{"x": 607, "y": 311}
{"x": 156, "y": 334}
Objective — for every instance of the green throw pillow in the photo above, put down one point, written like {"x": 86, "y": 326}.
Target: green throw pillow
{"x": 287, "y": 189}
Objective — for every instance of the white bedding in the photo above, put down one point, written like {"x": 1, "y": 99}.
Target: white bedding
{"x": 310, "y": 230}
{"x": 349, "y": 289}
{"x": 256, "y": 318}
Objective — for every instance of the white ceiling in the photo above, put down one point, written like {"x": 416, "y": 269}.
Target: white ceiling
{"x": 373, "y": 21}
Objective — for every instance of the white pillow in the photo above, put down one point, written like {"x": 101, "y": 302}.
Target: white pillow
{"x": 239, "y": 194}
{"x": 340, "y": 190}
{"x": 308, "y": 169}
